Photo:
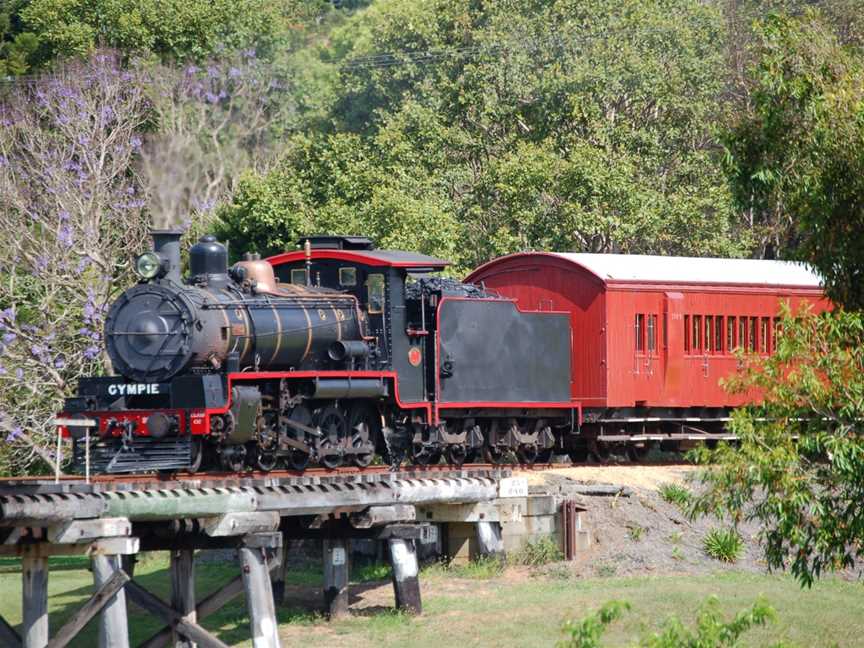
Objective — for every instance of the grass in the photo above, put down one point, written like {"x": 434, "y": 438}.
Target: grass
{"x": 675, "y": 494}
{"x": 723, "y": 544}
{"x": 481, "y": 604}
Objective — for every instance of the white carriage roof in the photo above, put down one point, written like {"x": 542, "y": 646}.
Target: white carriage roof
{"x": 669, "y": 269}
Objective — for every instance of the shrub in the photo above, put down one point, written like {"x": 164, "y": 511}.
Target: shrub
{"x": 635, "y": 532}
{"x": 711, "y": 630}
{"x": 587, "y": 632}
{"x": 542, "y": 551}
{"x": 675, "y": 494}
{"x": 723, "y": 544}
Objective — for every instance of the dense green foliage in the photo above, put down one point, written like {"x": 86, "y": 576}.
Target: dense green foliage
{"x": 804, "y": 489}
{"x": 33, "y": 33}
{"x": 496, "y": 128}
{"x": 796, "y": 156}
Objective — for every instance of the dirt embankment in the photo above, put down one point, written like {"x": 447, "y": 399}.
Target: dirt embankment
{"x": 639, "y": 532}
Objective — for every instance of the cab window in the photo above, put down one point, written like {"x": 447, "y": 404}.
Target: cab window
{"x": 298, "y": 276}
{"x": 347, "y": 277}
{"x": 375, "y": 286}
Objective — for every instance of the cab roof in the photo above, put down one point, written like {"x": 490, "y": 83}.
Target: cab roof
{"x": 381, "y": 258}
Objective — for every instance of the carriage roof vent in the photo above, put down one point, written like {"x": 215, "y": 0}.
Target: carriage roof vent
{"x": 335, "y": 242}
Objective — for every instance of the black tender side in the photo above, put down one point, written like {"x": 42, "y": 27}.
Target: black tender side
{"x": 492, "y": 352}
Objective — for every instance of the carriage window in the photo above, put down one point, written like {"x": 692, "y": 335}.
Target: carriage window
{"x": 298, "y": 276}
{"x": 640, "y": 333}
{"x": 751, "y": 338}
{"x": 652, "y": 333}
{"x": 742, "y": 333}
{"x": 764, "y": 340}
{"x": 697, "y": 333}
{"x": 775, "y": 334}
{"x": 730, "y": 334}
{"x": 709, "y": 333}
{"x": 718, "y": 333}
{"x": 347, "y": 276}
{"x": 375, "y": 286}
{"x": 687, "y": 333}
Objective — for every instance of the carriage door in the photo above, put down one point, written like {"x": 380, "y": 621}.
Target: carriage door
{"x": 672, "y": 342}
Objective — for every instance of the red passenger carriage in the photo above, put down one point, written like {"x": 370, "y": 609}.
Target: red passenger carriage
{"x": 652, "y": 335}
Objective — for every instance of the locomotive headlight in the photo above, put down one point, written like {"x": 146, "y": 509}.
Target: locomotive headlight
{"x": 148, "y": 265}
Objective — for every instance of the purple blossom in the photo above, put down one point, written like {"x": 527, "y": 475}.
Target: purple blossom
{"x": 64, "y": 236}
{"x": 235, "y": 73}
{"x": 41, "y": 264}
{"x": 82, "y": 265}
{"x": 63, "y": 216}
{"x": 2, "y": 370}
{"x": 212, "y": 98}
{"x": 92, "y": 352}
{"x": 135, "y": 142}
{"x": 9, "y": 338}
{"x": 37, "y": 350}
{"x": 19, "y": 373}
{"x": 14, "y": 433}
{"x": 59, "y": 362}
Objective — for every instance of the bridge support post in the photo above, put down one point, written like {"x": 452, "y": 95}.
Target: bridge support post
{"x": 113, "y": 622}
{"x": 406, "y": 580}
{"x": 259, "y": 593}
{"x": 277, "y": 576}
{"x": 183, "y": 592}
{"x": 336, "y": 573}
{"x": 489, "y": 541}
{"x": 34, "y": 571}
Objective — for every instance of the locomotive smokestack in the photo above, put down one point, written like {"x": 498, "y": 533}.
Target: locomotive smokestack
{"x": 166, "y": 243}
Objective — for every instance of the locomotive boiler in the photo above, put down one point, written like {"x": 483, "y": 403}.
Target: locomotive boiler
{"x": 163, "y": 327}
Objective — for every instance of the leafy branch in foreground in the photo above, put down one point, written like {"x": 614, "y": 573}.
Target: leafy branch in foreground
{"x": 711, "y": 630}
{"x": 797, "y": 469}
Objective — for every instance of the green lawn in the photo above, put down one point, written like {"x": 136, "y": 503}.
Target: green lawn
{"x": 477, "y": 607}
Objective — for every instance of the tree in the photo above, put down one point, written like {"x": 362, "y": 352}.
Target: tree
{"x": 90, "y": 156}
{"x": 210, "y": 123}
{"x": 566, "y": 126}
{"x": 795, "y": 158}
{"x": 77, "y": 211}
{"x": 797, "y": 467}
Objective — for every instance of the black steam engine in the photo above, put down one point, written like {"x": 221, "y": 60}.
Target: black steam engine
{"x": 334, "y": 353}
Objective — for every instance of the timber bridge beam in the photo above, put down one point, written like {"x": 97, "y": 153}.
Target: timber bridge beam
{"x": 112, "y": 520}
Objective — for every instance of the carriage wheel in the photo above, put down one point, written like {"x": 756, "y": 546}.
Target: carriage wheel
{"x": 578, "y": 455}
{"x": 638, "y": 453}
{"x": 425, "y": 456}
{"x": 365, "y": 427}
{"x": 494, "y": 454}
{"x": 334, "y": 427}
{"x": 527, "y": 454}
{"x": 297, "y": 459}
{"x": 600, "y": 451}
{"x": 544, "y": 456}
{"x": 456, "y": 454}
{"x": 265, "y": 461}
{"x": 196, "y": 456}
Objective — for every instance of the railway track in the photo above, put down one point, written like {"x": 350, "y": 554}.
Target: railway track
{"x": 341, "y": 474}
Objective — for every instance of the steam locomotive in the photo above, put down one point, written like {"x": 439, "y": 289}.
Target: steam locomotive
{"x": 337, "y": 352}
{"x": 332, "y": 354}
